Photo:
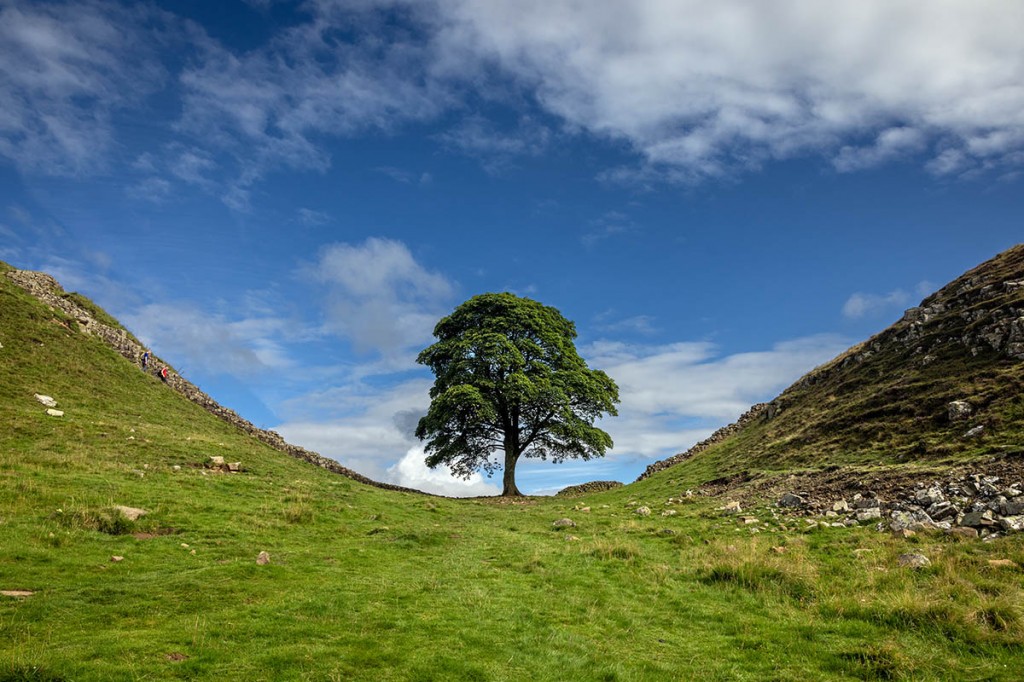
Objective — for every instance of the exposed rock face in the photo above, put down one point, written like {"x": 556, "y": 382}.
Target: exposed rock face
{"x": 48, "y": 290}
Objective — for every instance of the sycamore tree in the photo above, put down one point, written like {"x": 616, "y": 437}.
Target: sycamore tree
{"x": 510, "y": 384}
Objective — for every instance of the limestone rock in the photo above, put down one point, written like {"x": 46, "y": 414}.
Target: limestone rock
{"x": 978, "y": 519}
{"x": 55, "y": 413}
{"x": 17, "y": 593}
{"x": 46, "y": 400}
{"x": 642, "y": 511}
{"x": 914, "y": 560}
{"x": 263, "y": 559}
{"x": 130, "y": 513}
{"x": 841, "y": 506}
{"x": 959, "y": 410}
{"x": 116, "y": 559}
{"x": 1003, "y": 563}
{"x": 732, "y": 507}
{"x": 234, "y": 466}
{"x": 564, "y": 523}
{"x": 963, "y": 532}
{"x": 669, "y": 512}
{"x": 869, "y": 514}
{"x": 216, "y": 461}
{"x": 975, "y": 432}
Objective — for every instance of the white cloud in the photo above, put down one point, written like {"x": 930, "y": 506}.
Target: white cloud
{"x": 65, "y": 70}
{"x": 207, "y": 342}
{"x": 700, "y": 89}
{"x": 676, "y": 394}
{"x": 378, "y": 296}
{"x": 412, "y": 472}
{"x": 862, "y": 305}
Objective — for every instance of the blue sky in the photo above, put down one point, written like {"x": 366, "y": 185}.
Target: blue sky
{"x": 282, "y": 198}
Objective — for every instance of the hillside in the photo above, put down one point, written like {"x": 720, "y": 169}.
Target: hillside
{"x": 950, "y": 367}
{"x": 642, "y": 582}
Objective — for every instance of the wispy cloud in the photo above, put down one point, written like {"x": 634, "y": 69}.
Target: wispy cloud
{"x": 65, "y": 71}
{"x": 861, "y": 305}
{"x": 378, "y": 296}
{"x": 673, "y": 395}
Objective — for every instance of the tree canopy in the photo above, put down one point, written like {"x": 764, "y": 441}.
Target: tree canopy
{"x": 509, "y": 379}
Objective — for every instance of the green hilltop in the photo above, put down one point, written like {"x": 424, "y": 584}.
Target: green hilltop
{"x": 649, "y": 581}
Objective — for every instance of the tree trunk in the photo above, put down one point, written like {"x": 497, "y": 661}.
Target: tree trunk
{"x": 509, "y": 488}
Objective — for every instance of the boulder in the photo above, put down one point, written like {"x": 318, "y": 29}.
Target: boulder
{"x": 975, "y": 432}
{"x": 978, "y": 519}
{"x": 913, "y": 560}
{"x": 564, "y": 523}
{"x": 642, "y": 511}
{"x": 792, "y": 500}
{"x": 55, "y": 413}
{"x": 959, "y": 410}
{"x": 130, "y": 513}
{"x": 1011, "y": 524}
{"x": 841, "y": 506}
{"x": 869, "y": 514}
{"x": 963, "y": 532}
{"x": 867, "y": 503}
{"x": 46, "y": 400}
{"x": 234, "y": 466}
{"x": 732, "y": 507}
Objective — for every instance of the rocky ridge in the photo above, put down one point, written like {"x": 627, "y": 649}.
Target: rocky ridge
{"x": 49, "y": 291}
{"x": 943, "y": 379}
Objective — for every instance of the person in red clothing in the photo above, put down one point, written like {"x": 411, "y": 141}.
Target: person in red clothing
{"x": 163, "y": 374}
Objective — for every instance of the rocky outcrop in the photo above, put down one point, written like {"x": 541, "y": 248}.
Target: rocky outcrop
{"x": 975, "y": 505}
{"x": 49, "y": 291}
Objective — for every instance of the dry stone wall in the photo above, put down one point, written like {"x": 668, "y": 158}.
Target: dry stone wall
{"x": 49, "y": 291}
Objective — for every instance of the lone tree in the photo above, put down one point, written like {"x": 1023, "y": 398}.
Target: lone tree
{"x": 509, "y": 378}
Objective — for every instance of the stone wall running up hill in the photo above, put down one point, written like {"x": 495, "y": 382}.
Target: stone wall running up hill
{"x": 49, "y": 291}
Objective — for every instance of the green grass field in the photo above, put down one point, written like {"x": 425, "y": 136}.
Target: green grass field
{"x": 368, "y": 584}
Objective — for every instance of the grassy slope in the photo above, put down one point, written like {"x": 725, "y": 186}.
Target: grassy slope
{"x": 889, "y": 408}
{"x": 370, "y": 584}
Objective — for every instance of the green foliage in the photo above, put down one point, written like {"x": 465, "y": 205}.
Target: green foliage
{"x": 508, "y": 378}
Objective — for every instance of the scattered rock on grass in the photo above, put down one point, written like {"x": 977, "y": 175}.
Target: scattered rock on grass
{"x": 959, "y": 409}
{"x": 17, "y": 593}
{"x": 116, "y": 559}
{"x": 130, "y": 513}
{"x": 55, "y": 413}
{"x": 642, "y": 511}
{"x": 46, "y": 400}
{"x": 1003, "y": 563}
{"x": 914, "y": 560}
{"x": 263, "y": 559}
{"x": 564, "y": 523}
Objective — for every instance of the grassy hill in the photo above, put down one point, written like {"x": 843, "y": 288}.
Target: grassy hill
{"x": 371, "y": 584}
{"x": 886, "y": 401}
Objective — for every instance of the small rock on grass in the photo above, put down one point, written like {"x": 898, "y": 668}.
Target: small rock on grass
{"x": 1003, "y": 563}
{"x": 130, "y": 513}
{"x": 46, "y": 400}
{"x": 17, "y": 593}
{"x": 116, "y": 559}
{"x": 914, "y": 560}
{"x": 55, "y": 413}
{"x": 263, "y": 559}
{"x": 642, "y": 511}
{"x": 564, "y": 523}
